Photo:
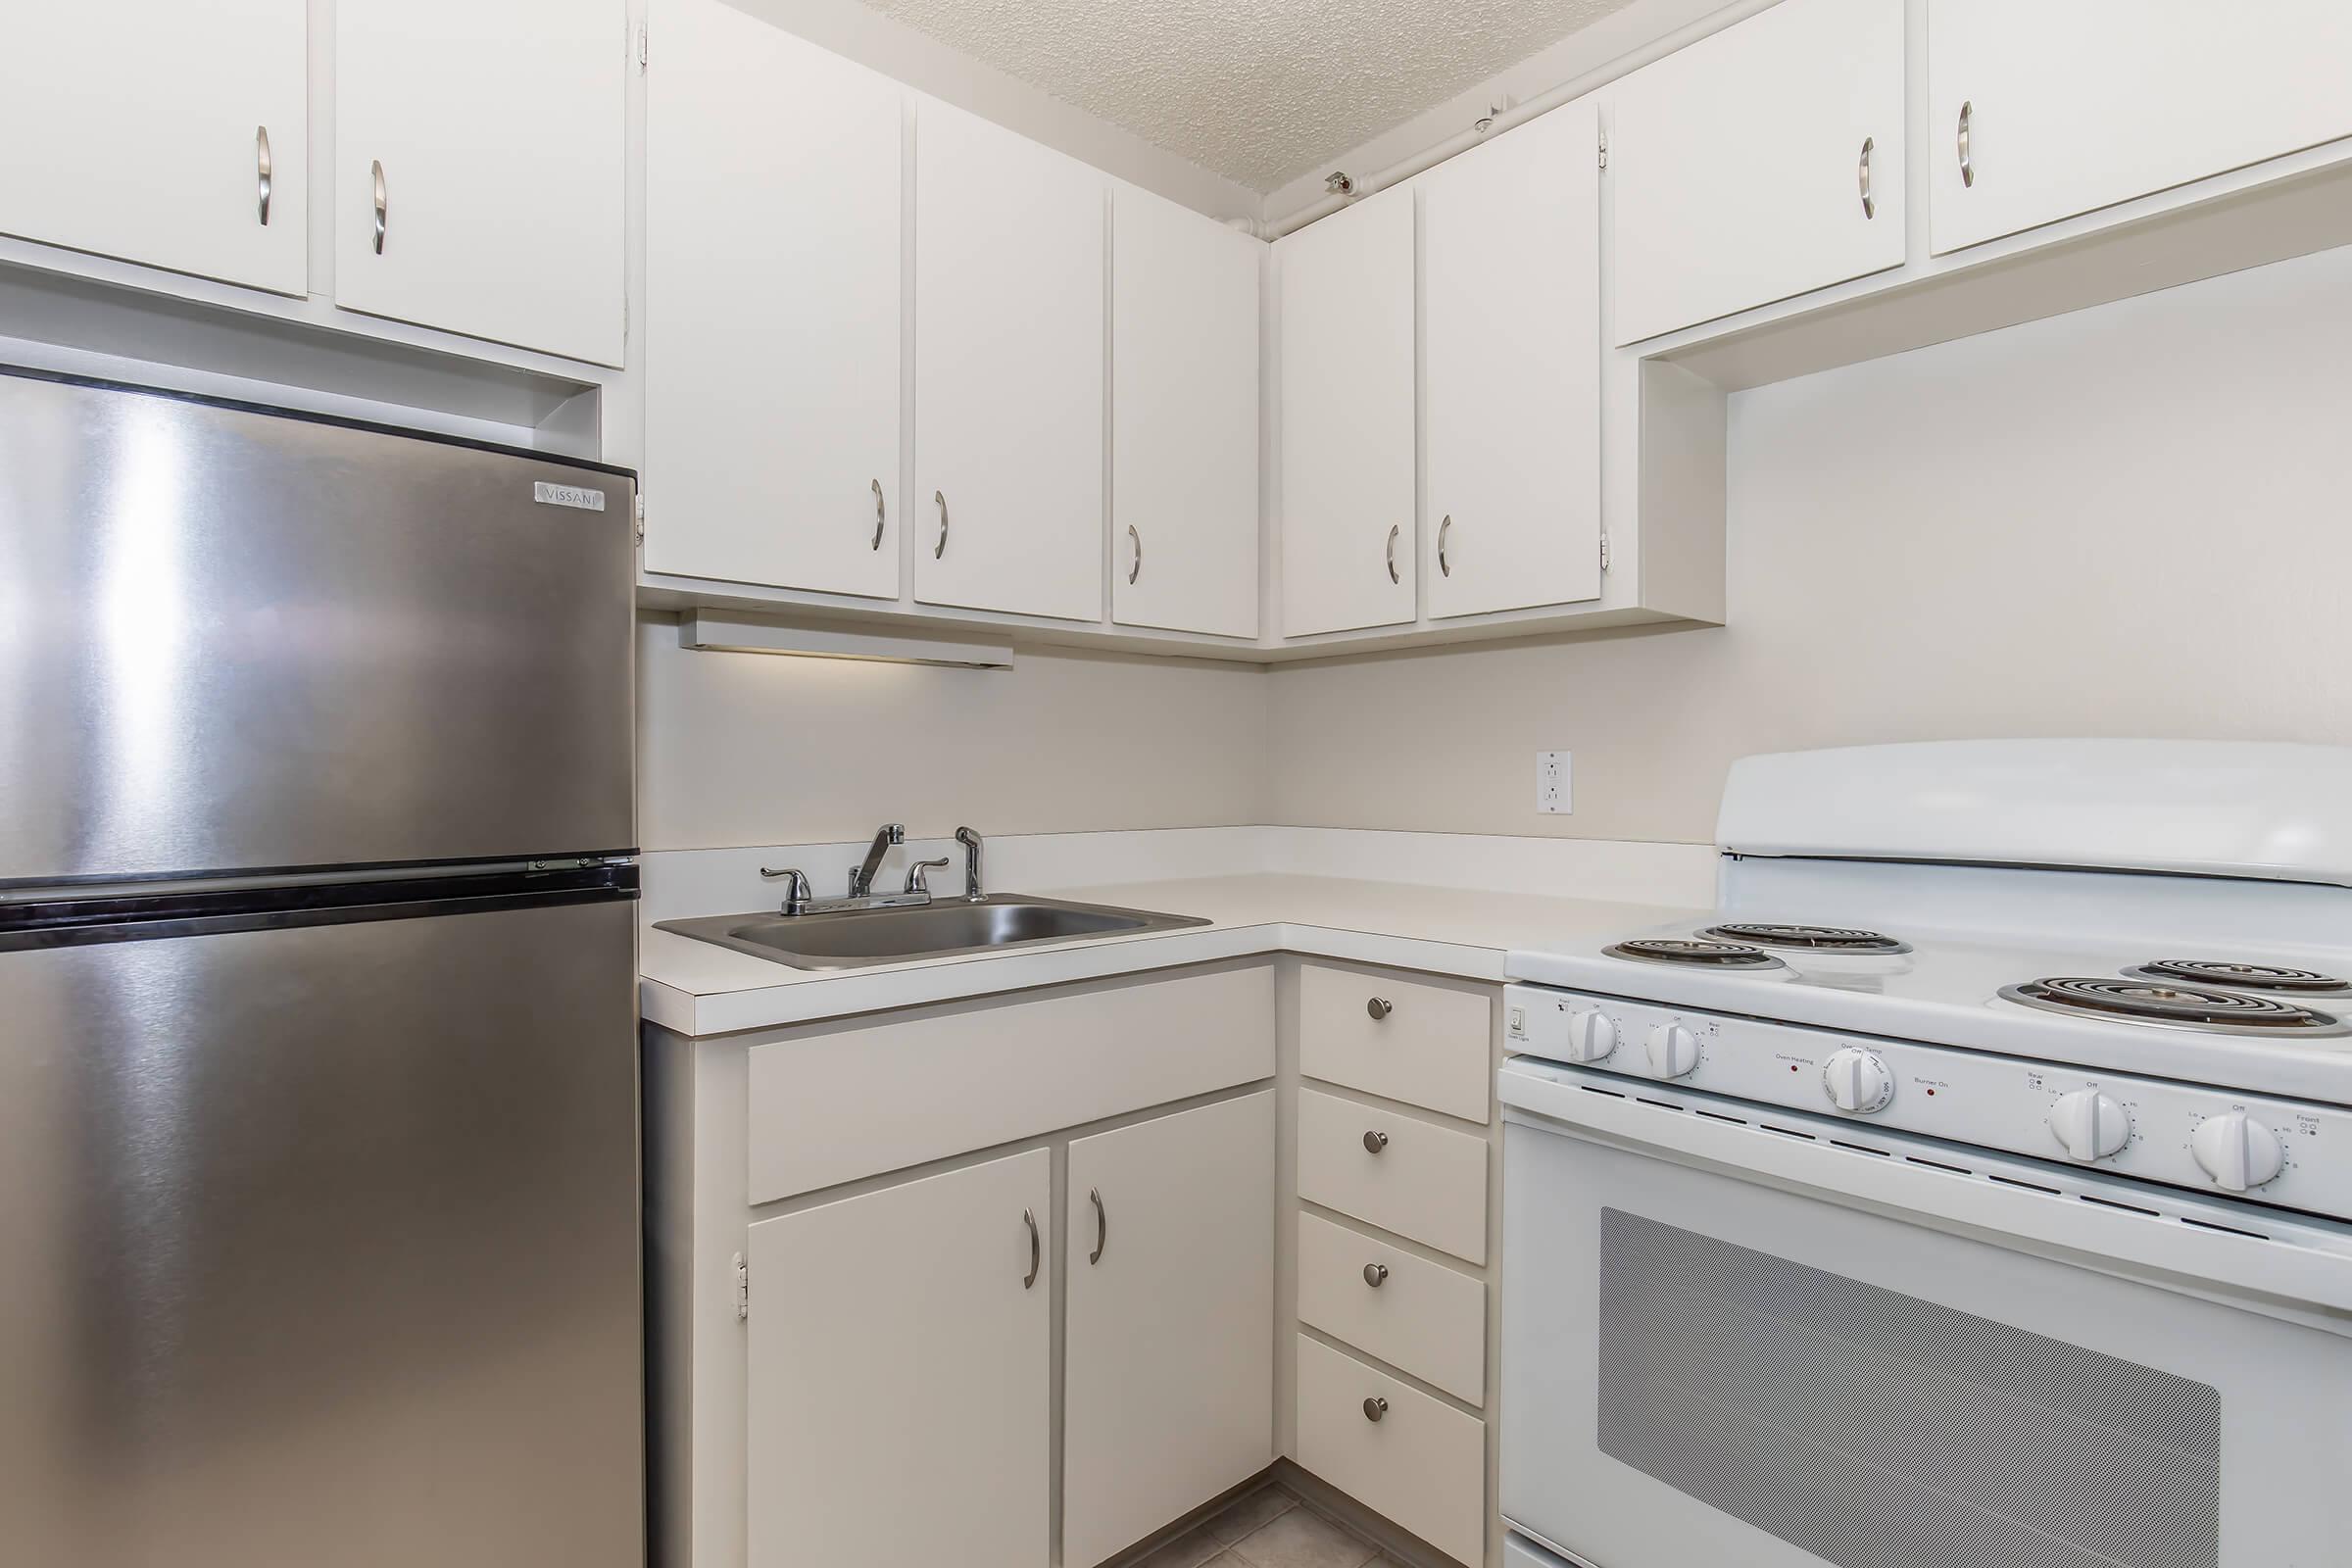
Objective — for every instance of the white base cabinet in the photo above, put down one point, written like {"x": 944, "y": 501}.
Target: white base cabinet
{"x": 900, "y": 1375}
{"x": 1169, "y": 1359}
{"x": 161, "y": 131}
{"x": 2037, "y": 111}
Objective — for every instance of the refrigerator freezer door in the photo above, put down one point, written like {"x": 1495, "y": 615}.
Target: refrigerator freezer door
{"x": 237, "y": 641}
{"x": 321, "y": 1246}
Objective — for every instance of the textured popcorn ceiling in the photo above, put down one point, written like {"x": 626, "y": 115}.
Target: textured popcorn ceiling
{"x": 1256, "y": 90}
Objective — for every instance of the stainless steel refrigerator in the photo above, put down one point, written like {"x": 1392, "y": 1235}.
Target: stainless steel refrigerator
{"x": 319, "y": 1172}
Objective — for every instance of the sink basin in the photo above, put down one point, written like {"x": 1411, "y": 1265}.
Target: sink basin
{"x": 858, "y": 938}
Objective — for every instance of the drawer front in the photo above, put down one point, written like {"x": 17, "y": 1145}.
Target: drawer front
{"x": 1394, "y": 1171}
{"x": 1422, "y": 1464}
{"x": 1394, "y": 1304}
{"x": 833, "y": 1105}
{"x": 1399, "y": 1038}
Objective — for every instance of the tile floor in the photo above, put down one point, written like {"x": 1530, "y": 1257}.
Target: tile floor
{"x": 1268, "y": 1529}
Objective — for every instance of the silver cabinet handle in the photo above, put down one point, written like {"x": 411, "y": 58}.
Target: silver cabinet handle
{"x": 260, "y": 171}
{"x": 1379, "y": 1007}
{"x": 1101, "y": 1225}
{"x": 1968, "y": 167}
{"x": 1374, "y": 1143}
{"x": 1036, "y": 1251}
{"x": 1870, "y": 205}
{"x": 878, "y": 544}
{"x": 1375, "y": 1275}
{"x": 1393, "y": 577}
{"x": 383, "y": 205}
{"x": 940, "y": 549}
{"x": 1443, "y": 528}
{"x": 1136, "y": 569}
{"x": 1375, "y": 1407}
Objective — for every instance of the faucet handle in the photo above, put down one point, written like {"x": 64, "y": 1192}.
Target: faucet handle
{"x": 918, "y": 871}
{"x": 795, "y": 887}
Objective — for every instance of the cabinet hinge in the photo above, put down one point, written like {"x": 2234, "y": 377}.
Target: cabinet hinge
{"x": 743, "y": 1288}
{"x": 641, "y": 50}
{"x": 1604, "y": 549}
{"x": 641, "y": 519}
{"x": 1604, "y": 149}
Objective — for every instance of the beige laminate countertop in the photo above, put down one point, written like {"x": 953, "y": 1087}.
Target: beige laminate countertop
{"x": 697, "y": 988}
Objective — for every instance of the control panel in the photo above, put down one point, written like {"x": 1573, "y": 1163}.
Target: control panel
{"x": 2290, "y": 1152}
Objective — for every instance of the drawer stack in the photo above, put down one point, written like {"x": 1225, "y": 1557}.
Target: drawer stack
{"x": 1376, "y": 1305}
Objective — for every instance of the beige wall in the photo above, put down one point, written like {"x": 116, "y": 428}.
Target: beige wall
{"x": 2134, "y": 521}
{"x": 744, "y": 748}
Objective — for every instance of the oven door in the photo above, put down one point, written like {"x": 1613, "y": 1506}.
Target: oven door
{"x": 1736, "y": 1340}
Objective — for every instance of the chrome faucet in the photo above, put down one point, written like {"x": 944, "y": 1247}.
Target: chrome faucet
{"x": 970, "y": 839}
{"x": 861, "y": 880}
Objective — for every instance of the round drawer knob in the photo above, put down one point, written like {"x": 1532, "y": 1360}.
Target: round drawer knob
{"x": 1375, "y": 1275}
{"x": 1374, "y": 1143}
{"x": 1375, "y": 1407}
{"x": 1380, "y": 1006}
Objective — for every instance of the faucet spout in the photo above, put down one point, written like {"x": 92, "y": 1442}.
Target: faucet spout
{"x": 861, "y": 880}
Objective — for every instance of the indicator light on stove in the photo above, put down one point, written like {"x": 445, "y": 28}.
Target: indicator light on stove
{"x": 2237, "y": 1152}
{"x": 1857, "y": 1081}
{"x": 1673, "y": 1051}
{"x": 1591, "y": 1036}
{"x": 2091, "y": 1125}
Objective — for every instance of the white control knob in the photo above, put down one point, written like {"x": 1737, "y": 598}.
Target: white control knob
{"x": 2237, "y": 1152}
{"x": 2091, "y": 1125}
{"x": 1673, "y": 1051}
{"x": 1591, "y": 1036}
{"x": 1858, "y": 1082}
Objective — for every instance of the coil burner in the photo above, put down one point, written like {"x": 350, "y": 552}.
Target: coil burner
{"x": 1697, "y": 952}
{"x": 2242, "y": 976}
{"x": 2175, "y": 1006}
{"x": 1807, "y": 938}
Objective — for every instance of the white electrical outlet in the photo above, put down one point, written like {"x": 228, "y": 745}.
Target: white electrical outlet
{"x": 1551, "y": 783}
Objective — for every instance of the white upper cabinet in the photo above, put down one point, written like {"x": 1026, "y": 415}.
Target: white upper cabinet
{"x": 1510, "y": 277}
{"x": 1009, "y": 351}
{"x": 478, "y": 167}
{"x": 773, "y": 304}
{"x": 1346, "y": 438}
{"x": 161, "y": 131}
{"x": 1184, "y": 306}
{"x": 2037, "y": 111}
{"x": 1759, "y": 163}
{"x": 1168, "y": 1378}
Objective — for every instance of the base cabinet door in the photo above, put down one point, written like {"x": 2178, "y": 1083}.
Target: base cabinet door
{"x": 1511, "y": 352}
{"x": 2037, "y": 111}
{"x": 1168, "y": 1378}
{"x": 771, "y": 280}
{"x": 160, "y": 131}
{"x": 480, "y": 161}
{"x": 901, "y": 1365}
{"x": 1758, "y": 163}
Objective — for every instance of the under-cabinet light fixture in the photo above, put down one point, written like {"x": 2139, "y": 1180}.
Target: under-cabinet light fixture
{"x": 705, "y": 632}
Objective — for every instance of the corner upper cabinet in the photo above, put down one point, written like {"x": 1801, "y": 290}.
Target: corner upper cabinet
{"x": 161, "y": 133}
{"x": 1345, "y": 294}
{"x": 1510, "y": 278}
{"x": 900, "y": 1398}
{"x": 1762, "y": 162}
{"x": 1008, "y": 372}
{"x": 772, "y": 304}
{"x": 2039, "y": 111}
{"x": 478, "y": 167}
{"x": 1183, "y": 361}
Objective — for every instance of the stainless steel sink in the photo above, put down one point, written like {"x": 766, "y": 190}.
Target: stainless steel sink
{"x": 856, "y": 939}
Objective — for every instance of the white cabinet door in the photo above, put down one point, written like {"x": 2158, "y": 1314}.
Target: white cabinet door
{"x": 1510, "y": 278}
{"x": 1184, "y": 301}
{"x": 1759, "y": 163}
{"x": 771, "y": 341}
{"x": 1008, "y": 264}
{"x": 1168, "y": 1378}
{"x": 901, "y": 1364}
{"x": 160, "y": 131}
{"x": 493, "y": 132}
{"x": 2077, "y": 106}
{"x": 1346, "y": 369}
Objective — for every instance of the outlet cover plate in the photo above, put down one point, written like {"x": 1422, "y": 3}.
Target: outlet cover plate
{"x": 1552, "y": 793}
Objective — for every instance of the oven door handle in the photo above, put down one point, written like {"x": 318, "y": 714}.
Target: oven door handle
{"x": 2279, "y": 1267}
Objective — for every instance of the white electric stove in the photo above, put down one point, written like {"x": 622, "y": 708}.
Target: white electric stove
{"x": 1969, "y": 1188}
